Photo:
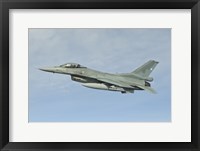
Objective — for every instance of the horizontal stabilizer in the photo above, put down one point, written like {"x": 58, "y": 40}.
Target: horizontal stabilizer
{"x": 149, "y": 89}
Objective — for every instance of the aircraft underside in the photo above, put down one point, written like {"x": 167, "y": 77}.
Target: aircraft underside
{"x": 104, "y": 86}
{"x": 95, "y": 84}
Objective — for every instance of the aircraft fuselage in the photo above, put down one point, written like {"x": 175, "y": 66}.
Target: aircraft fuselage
{"x": 105, "y": 81}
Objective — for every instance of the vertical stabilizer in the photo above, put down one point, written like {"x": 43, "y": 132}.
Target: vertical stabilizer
{"x": 146, "y": 69}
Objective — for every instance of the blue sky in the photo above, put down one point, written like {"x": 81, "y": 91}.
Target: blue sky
{"x": 55, "y": 98}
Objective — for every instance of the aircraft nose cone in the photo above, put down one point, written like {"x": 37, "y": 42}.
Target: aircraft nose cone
{"x": 43, "y": 69}
{"x": 48, "y": 69}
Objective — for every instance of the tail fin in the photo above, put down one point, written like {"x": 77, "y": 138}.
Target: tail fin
{"x": 146, "y": 69}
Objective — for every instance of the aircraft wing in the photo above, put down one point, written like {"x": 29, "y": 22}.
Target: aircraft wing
{"x": 118, "y": 83}
{"x": 150, "y": 89}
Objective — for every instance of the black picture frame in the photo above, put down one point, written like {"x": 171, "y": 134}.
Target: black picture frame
{"x": 5, "y": 5}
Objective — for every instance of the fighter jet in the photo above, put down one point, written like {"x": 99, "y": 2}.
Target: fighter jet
{"x": 123, "y": 82}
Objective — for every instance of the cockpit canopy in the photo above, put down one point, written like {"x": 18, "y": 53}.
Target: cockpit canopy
{"x": 72, "y": 65}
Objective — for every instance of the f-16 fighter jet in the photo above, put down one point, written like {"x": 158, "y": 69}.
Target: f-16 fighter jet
{"x": 125, "y": 82}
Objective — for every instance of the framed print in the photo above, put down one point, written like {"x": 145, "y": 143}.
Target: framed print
{"x": 125, "y": 75}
